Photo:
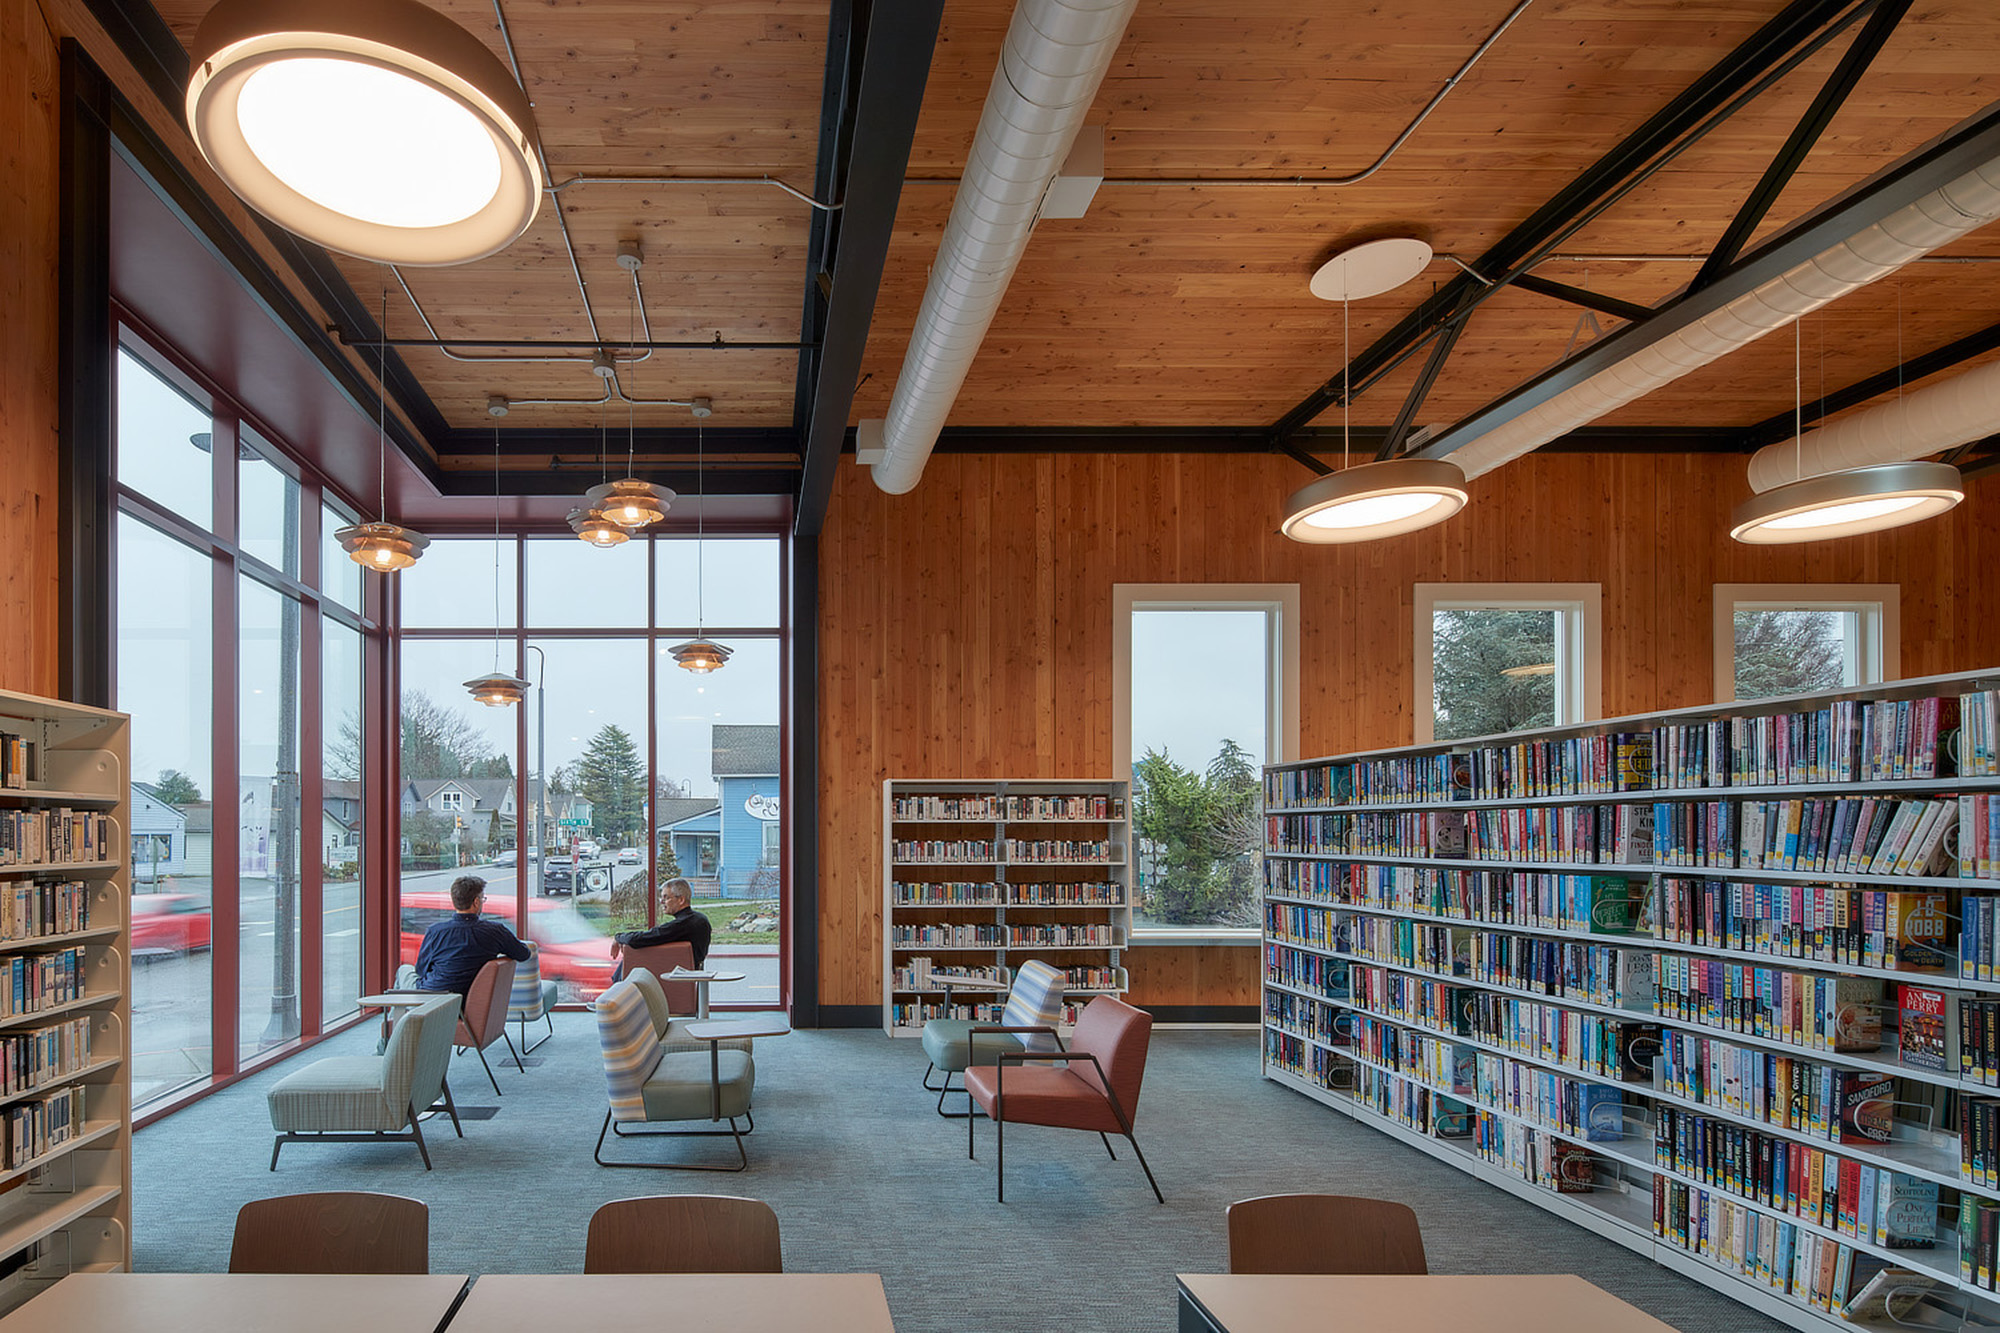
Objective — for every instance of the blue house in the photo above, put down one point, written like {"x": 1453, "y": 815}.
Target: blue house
{"x": 744, "y": 761}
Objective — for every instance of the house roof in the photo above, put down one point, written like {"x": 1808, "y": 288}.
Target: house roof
{"x": 487, "y": 793}
{"x": 672, "y": 810}
{"x": 739, "y": 751}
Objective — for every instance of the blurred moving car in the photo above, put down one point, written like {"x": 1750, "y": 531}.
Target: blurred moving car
{"x": 574, "y": 954}
{"x": 170, "y": 923}
{"x": 630, "y": 856}
{"x": 505, "y": 858}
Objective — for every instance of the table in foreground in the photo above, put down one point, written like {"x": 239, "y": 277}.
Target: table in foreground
{"x": 740, "y": 1302}
{"x": 1537, "y": 1303}
{"x": 241, "y": 1303}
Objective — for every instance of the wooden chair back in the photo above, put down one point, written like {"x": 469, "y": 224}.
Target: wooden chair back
{"x": 683, "y": 1233}
{"x": 484, "y": 1017}
{"x": 340, "y": 1232}
{"x": 683, "y": 997}
{"x": 1324, "y": 1233}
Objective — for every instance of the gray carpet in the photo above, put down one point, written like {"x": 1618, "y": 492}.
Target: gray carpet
{"x": 864, "y": 1177}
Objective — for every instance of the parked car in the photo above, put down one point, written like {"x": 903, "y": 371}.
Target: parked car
{"x": 574, "y": 954}
{"x": 171, "y": 923}
{"x": 558, "y": 877}
{"x": 630, "y": 856}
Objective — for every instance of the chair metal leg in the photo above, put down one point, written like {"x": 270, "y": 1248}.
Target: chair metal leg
{"x": 1147, "y": 1169}
{"x": 417, "y": 1133}
{"x": 511, "y": 1051}
{"x": 277, "y": 1145}
{"x": 968, "y": 1137}
{"x": 1000, "y": 1150}
{"x": 528, "y": 1048}
{"x": 742, "y": 1157}
{"x": 1107, "y": 1144}
{"x": 930, "y": 1069}
{"x": 489, "y": 1072}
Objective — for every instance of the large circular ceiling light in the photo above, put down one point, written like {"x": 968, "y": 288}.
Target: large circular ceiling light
{"x": 378, "y": 128}
{"x": 1375, "y": 500}
{"x": 1844, "y": 504}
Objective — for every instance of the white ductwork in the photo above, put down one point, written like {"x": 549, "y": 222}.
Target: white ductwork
{"x": 1054, "y": 57}
{"x": 1943, "y": 215}
{"x": 1939, "y": 416}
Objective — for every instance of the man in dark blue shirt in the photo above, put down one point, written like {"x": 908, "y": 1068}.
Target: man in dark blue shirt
{"x": 453, "y": 951}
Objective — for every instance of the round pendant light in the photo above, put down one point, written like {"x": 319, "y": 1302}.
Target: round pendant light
{"x": 383, "y": 546}
{"x": 1371, "y": 268}
{"x": 1375, "y": 500}
{"x": 631, "y": 504}
{"x": 378, "y": 128}
{"x": 498, "y": 690}
{"x": 700, "y": 656}
{"x": 1843, "y": 504}
{"x": 595, "y": 528}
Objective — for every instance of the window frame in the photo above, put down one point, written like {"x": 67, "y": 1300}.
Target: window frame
{"x": 1580, "y": 633}
{"x": 1280, "y": 603}
{"x": 1878, "y": 606}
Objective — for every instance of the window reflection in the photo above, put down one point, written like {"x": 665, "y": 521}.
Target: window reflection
{"x": 267, "y": 816}
{"x": 163, "y": 443}
{"x": 341, "y": 832}
{"x": 456, "y": 590}
{"x": 572, "y": 584}
{"x": 267, "y": 507}
{"x": 740, "y": 576}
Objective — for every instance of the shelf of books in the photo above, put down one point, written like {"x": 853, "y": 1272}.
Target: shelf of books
{"x": 979, "y": 877}
{"x": 1721, "y": 984}
{"x": 65, "y": 1105}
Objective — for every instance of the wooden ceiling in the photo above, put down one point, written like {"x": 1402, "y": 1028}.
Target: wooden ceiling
{"x": 1180, "y": 299}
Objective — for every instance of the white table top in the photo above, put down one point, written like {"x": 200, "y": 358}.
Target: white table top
{"x": 682, "y": 974}
{"x": 740, "y": 1302}
{"x": 401, "y": 999}
{"x": 240, "y": 1303}
{"x": 724, "y": 1029}
{"x": 1537, "y": 1303}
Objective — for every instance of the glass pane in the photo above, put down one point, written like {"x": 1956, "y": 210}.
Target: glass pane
{"x": 716, "y": 806}
{"x": 456, "y": 587}
{"x": 574, "y": 584}
{"x": 163, "y": 443}
{"x": 166, "y": 682}
{"x": 1795, "y": 650}
{"x": 267, "y": 509}
{"x": 341, "y": 832}
{"x": 1201, "y": 682}
{"x": 339, "y": 576}
{"x": 267, "y": 816}
{"x": 1494, "y": 670}
{"x": 739, "y": 576}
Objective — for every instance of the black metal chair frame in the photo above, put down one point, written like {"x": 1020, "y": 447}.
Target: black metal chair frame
{"x": 415, "y": 1135}
{"x": 970, "y": 1109}
{"x": 510, "y": 1050}
{"x": 611, "y": 1128}
{"x": 549, "y": 1017}
{"x": 1000, "y": 1120}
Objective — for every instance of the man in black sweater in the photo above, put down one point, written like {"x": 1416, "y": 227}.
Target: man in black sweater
{"x": 681, "y": 923}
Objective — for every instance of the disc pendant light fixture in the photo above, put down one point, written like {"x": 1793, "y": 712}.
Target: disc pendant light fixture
{"x": 587, "y": 521}
{"x": 632, "y": 504}
{"x": 382, "y": 545}
{"x": 378, "y": 128}
{"x": 700, "y": 654}
{"x": 499, "y": 689}
{"x": 1374, "y": 499}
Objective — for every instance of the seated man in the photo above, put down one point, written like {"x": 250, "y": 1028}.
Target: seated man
{"x": 453, "y": 951}
{"x": 682, "y": 923}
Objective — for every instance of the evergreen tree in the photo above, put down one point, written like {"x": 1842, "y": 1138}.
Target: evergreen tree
{"x": 1472, "y": 649}
{"x": 1788, "y": 652}
{"x": 1198, "y": 834}
{"x": 612, "y": 777}
{"x": 176, "y": 788}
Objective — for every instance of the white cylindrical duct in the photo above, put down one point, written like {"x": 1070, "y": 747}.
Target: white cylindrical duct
{"x": 1943, "y": 215}
{"x": 1055, "y": 56}
{"x": 1939, "y": 416}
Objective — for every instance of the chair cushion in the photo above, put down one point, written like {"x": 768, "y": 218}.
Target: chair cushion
{"x": 530, "y": 997}
{"x": 948, "y": 1043}
{"x": 341, "y": 1092}
{"x": 1040, "y": 1095}
{"x": 1035, "y": 1000}
{"x": 680, "y": 1088}
{"x": 656, "y": 997}
{"x": 625, "y": 1038}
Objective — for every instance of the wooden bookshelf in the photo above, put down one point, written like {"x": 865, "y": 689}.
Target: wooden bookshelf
{"x": 981, "y": 876}
{"x": 65, "y": 1018}
{"x": 1631, "y": 971}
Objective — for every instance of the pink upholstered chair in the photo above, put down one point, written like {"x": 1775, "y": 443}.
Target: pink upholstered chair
{"x": 483, "y": 1019}
{"x": 1096, "y": 1089}
{"x": 683, "y": 997}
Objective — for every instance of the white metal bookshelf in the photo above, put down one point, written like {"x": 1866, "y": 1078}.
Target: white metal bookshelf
{"x": 65, "y": 1172}
{"x": 979, "y": 876}
{"x": 1411, "y": 1049}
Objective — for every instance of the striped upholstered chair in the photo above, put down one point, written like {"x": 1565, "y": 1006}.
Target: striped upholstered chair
{"x": 647, "y": 1085}
{"x": 670, "y": 1030}
{"x": 1034, "y": 1007}
{"x": 372, "y": 1098}
{"x": 531, "y": 999}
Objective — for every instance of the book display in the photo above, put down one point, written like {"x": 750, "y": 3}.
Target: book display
{"x": 65, "y": 1104}
{"x": 979, "y": 877}
{"x": 1718, "y": 984}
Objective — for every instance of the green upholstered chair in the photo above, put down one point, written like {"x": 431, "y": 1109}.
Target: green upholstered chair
{"x": 671, "y": 1031}
{"x": 1034, "y": 1007}
{"x": 372, "y": 1098}
{"x": 647, "y": 1084}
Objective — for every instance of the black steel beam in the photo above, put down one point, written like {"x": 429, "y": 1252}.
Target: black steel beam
{"x": 1598, "y": 301}
{"x": 1975, "y": 143}
{"x": 1779, "y": 426}
{"x": 895, "y": 66}
{"x": 1302, "y": 446}
{"x": 836, "y": 142}
{"x": 586, "y": 441}
{"x": 85, "y": 384}
{"x": 1767, "y": 48}
{"x": 566, "y": 474}
{"x": 1832, "y": 96}
{"x": 1399, "y": 429}
{"x": 801, "y": 782}
{"x": 715, "y": 344}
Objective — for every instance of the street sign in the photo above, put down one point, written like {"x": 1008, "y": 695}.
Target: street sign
{"x": 573, "y": 823}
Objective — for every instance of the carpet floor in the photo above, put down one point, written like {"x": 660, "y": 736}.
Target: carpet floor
{"x": 866, "y": 1178}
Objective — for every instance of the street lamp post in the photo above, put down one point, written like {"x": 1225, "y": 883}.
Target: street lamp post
{"x": 541, "y": 730}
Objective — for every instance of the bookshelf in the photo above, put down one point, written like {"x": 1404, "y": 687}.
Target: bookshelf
{"x": 1720, "y": 984}
{"x": 981, "y": 876}
{"x": 65, "y": 1010}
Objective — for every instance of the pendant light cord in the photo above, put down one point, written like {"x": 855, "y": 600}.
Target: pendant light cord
{"x": 496, "y": 550}
{"x": 1346, "y": 370}
{"x": 700, "y": 528}
{"x": 382, "y": 412}
{"x": 1798, "y": 406}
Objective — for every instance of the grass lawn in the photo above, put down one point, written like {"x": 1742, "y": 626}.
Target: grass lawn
{"x": 721, "y": 913}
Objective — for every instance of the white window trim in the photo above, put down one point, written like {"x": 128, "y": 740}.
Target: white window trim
{"x": 1584, "y": 646}
{"x": 454, "y": 801}
{"x": 1880, "y": 606}
{"x": 1281, "y": 721}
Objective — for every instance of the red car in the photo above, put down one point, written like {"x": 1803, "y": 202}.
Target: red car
{"x": 574, "y": 954}
{"x": 168, "y": 923}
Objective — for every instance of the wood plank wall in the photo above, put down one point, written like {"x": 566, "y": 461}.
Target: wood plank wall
{"x": 965, "y": 628}
{"x": 28, "y": 350}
